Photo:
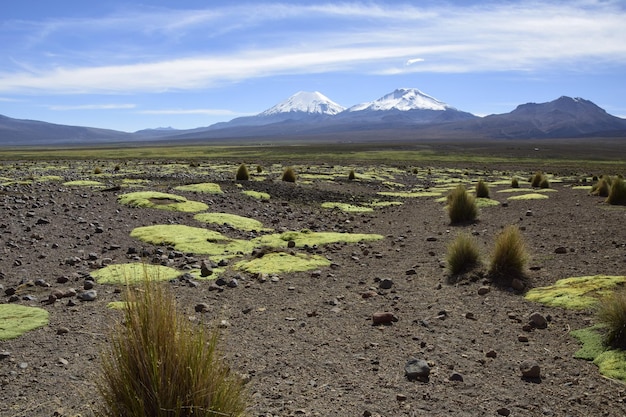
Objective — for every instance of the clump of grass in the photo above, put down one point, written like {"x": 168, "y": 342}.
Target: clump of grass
{"x": 602, "y": 188}
{"x": 514, "y": 183}
{"x": 535, "y": 180}
{"x": 544, "y": 183}
{"x": 415, "y": 171}
{"x": 612, "y": 314}
{"x": 161, "y": 364}
{"x": 482, "y": 189}
{"x": 617, "y": 193}
{"x": 462, "y": 206}
{"x": 463, "y": 254}
{"x": 289, "y": 175}
{"x": 97, "y": 171}
{"x": 259, "y": 169}
{"x": 351, "y": 175}
{"x": 509, "y": 256}
{"x": 242, "y": 173}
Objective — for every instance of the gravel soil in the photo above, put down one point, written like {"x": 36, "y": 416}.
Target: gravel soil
{"x": 305, "y": 341}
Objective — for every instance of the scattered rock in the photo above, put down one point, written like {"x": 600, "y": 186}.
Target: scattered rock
{"x": 89, "y": 295}
{"x": 517, "y": 284}
{"x": 456, "y": 377}
{"x": 383, "y": 317}
{"x": 538, "y": 321}
{"x": 522, "y": 338}
{"x": 417, "y": 369}
{"x": 385, "y": 284}
{"x": 4, "y": 354}
{"x": 201, "y": 308}
{"x": 503, "y": 411}
{"x": 530, "y": 370}
{"x": 205, "y": 270}
{"x": 62, "y": 330}
{"x": 491, "y": 354}
{"x": 400, "y": 397}
{"x": 484, "y": 290}
{"x": 560, "y": 250}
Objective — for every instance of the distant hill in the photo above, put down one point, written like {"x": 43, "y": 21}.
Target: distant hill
{"x": 405, "y": 113}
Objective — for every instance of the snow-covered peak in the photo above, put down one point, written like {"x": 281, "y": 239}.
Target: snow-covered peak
{"x": 403, "y": 99}
{"x": 306, "y": 102}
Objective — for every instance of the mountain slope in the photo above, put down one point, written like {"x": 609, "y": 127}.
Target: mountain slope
{"x": 33, "y": 132}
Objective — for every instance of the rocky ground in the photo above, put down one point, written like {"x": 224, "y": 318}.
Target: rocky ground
{"x": 306, "y": 341}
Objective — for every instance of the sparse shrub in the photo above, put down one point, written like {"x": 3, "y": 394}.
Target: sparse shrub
{"x": 97, "y": 171}
{"x": 482, "y": 189}
{"x": 602, "y": 187}
{"x": 351, "y": 175}
{"x": 116, "y": 168}
{"x": 545, "y": 183}
{"x": 289, "y": 175}
{"x": 463, "y": 254}
{"x": 160, "y": 364}
{"x": 242, "y": 173}
{"x": 514, "y": 183}
{"x": 536, "y": 179}
{"x": 612, "y": 314}
{"x": 509, "y": 255}
{"x": 461, "y": 206}
{"x": 259, "y": 169}
{"x": 415, "y": 171}
{"x": 617, "y": 193}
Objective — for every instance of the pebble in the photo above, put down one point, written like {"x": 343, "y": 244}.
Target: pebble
{"x": 522, "y": 338}
{"x": 538, "y": 320}
{"x": 491, "y": 354}
{"x": 400, "y": 397}
{"x": 517, "y": 284}
{"x": 89, "y": 295}
{"x": 201, "y": 307}
{"x": 456, "y": 377}
{"x": 560, "y": 250}
{"x": 63, "y": 330}
{"x": 530, "y": 370}
{"x": 385, "y": 284}
{"x": 4, "y": 354}
{"x": 416, "y": 369}
{"x": 383, "y": 317}
{"x": 503, "y": 411}
{"x": 484, "y": 290}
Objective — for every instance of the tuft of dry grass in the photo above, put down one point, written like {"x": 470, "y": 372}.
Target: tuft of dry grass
{"x": 242, "y": 173}
{"x": 482, "y": 189}
{"x": 617, "y": 192}
{"x": 602, "y": 188}
{"x": 462, "y": 206}
{"x": 535, "y": 181}
{"x": 509, "y": 255}
{"x": 514, "y": 183}
{"x": 160, "y": 364}
{"x": 463, "y": 254}
{"x": 544, "y": 183}
{"x": 289, "y": 175}
{"x": 351, "y": 175}
{"x": 612, "y": 314}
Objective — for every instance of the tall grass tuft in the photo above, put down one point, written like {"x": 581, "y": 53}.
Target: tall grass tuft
{"x": 617, "y": 193}
{"x": 351, "y": 175}
{"x": 612, "y": 314}
{"x": 602, "y": 188}
{"x": 482, "y": 189}
{"x": 242, "y": 173}
{"x": 160, "y": 364}
{"x": 463, "y": 254}
{"x": 544, "y": 183}
{"x": 514, "y": 183}
{"x": 509, "y": 256}
{"x": 289, "y": 175}
{"x": 462, "y": 206}
{"x": 535, "y": 181}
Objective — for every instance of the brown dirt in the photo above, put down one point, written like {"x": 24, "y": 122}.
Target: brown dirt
{"x": 307, "y": 342}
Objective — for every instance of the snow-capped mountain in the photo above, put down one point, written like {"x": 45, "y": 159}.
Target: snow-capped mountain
{"x": 403, "y": 99}
{"x": 404, "y": 106}
{"x": 305, "y": 102}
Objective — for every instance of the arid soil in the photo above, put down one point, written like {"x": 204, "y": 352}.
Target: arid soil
{"x": 305, "y": 341}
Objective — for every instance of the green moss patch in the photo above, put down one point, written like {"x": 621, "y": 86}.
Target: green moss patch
{"x": 411, "y": 194}
{"x": 134, "y": 272}
{"x": 193, "y": 239}
{"x": 256, "y": 194}
{"x": 486, "y": 202}
{"x": 280, "y": 262}
{"x": 204, "y": 187}
{"x": 15, "y": 320}
{"x": 83, "y": 183}
{"x": 163, "y": 201}
{"x": 530, "y": 196}
{"x": 611, "y": 363}
{"x": 576, "y": 292}
{"x": 348, "y": 208}
{"x": 238, "y": 222}
{"x": 309, "y": 238}
{"x": 380, "y": 204}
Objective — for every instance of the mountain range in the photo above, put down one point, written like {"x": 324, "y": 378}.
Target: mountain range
{"x": 312, "y": 115}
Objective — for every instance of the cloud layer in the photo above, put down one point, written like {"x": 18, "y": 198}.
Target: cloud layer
{"x": 156, "y": 50}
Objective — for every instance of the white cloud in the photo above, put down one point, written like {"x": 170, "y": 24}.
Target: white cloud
{"x": 92, "y": 107}
{"x": 208, "y": 112}
{"x": 349, "y": 37}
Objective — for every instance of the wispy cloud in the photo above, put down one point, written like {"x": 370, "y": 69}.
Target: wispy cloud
{"x": 92, "y": 107}
{"x": 208, "y": 112}
{"x": 195, "y": 49}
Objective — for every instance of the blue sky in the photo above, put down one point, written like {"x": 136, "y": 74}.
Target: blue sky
{"x": 130, "y": 65}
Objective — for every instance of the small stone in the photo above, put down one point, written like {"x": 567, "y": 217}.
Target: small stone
{"x": 411, "y": 271}
{"x": 538, "y": 320}
{"x": 530, "y": 370}
{"x": 89, "y": 295}
{"x": 517, "y": 284}
{"x": 431, "y": 239}
{"x": 88, "y": 284}
{"x": 205, "y": 270}
{"x": 522, "y": 338}
{"x": 369, "y": 294}
{"x": 201, "y": 307}
{"x": 491, "y": 354}
{"x": 224, "y": 324}
{"x": 62, "y": 279}
{"x": 4, "y": 354}
{"x": 62, "y": 330}
{"x": 529, "y": 213}
{"x": 560, "y": 250}
{"x": 383, "y": 317}
{"x": 484, "y": 290}
{"x": 416, "y": 369}
{"x": 400, "y": 397}
{"x": 456, "y": 377}
{"x": 503, "y": 411}
{"x": 63, "y": 361}
{"x": 385, "y": 284}
{"x": 233, "y": 283}
{"x": 291, "y": 244}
